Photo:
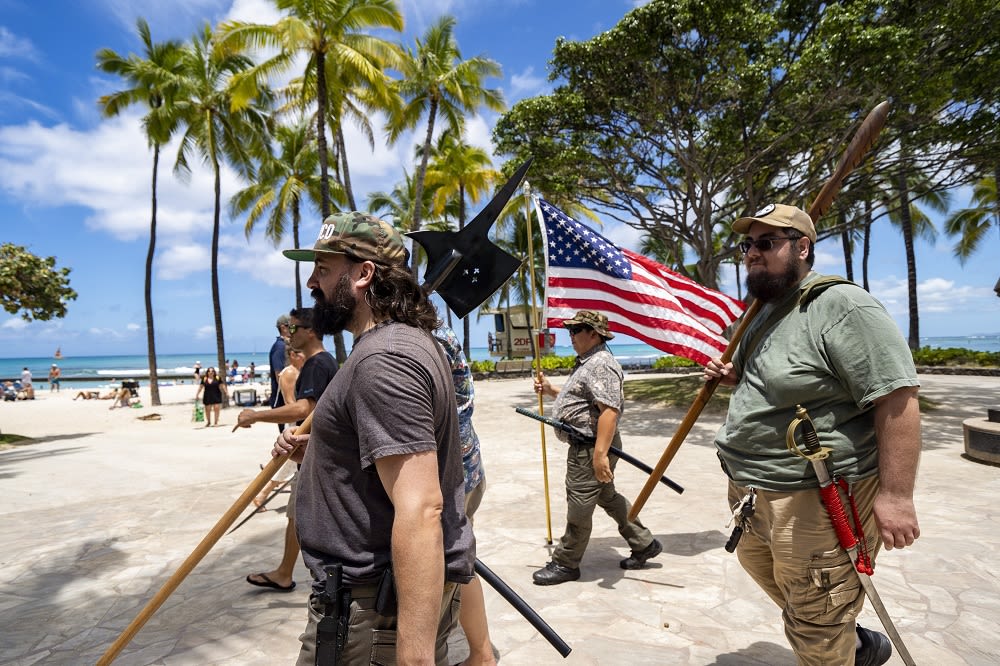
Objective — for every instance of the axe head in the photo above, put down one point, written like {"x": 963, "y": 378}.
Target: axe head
{"x": 465, "y": 267}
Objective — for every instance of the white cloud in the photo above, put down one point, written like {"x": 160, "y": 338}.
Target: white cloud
{"x": 526, "y": 84}
{"x": 182, "y": 259}
{"x": 133, "y": 327}
{"x": 12, "y": 46}
{"x": 15, "y": 324}
{"x": 205, "y": 332}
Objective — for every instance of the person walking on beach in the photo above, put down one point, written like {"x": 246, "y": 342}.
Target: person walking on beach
{"x": 381, "y": 487}
{"x": 827, "y": 345}
{"x": 318, "y": 369}
{"x": 26, "y": 387}
{"x": 276, "y": 360}
{"x": 214, "y": 389}
{"x": 591, "y": 400}
{"x": 54, "y": 374}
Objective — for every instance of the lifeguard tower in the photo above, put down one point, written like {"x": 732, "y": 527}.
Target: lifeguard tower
{"x": 512, "y": 331}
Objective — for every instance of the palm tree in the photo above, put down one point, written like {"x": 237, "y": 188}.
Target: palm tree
{"x": 459, "y": 170}
{"x": 330, "y": 33}
{"x": 972, "y": 224}
{"x": 217, "y": 126}
{"x": 436, "y": 81}
{"x": 284, "y": 182}
{"x": 151, "y": 79}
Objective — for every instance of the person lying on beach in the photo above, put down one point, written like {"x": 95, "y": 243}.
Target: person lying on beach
{"x": 96, "y": 395}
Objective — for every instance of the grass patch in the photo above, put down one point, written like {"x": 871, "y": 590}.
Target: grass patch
{"x": 8, "y": 441}
{"x": 675, "y": 392}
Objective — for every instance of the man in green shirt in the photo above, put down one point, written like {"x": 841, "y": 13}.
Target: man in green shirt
{"x": 836, "y": 351}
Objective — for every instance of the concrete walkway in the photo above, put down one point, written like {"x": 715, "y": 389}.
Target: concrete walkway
{"x": 95, "y": 522}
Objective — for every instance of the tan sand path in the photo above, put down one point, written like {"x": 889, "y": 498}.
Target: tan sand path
{"x": 102, "y": 508}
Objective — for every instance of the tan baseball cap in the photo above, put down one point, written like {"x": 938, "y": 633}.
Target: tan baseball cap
{"x": 779, "y": 215}
{"x": 595, "y": 320}
{"x": 358, "y": 235}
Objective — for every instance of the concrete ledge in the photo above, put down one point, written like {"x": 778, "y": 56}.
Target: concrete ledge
{"x": 982, "y": 440}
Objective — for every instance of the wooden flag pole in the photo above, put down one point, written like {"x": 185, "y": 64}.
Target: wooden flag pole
{"x": 213, "y": 536}
{"x": 538, "y": 358}
{"x": 855, "y": 152}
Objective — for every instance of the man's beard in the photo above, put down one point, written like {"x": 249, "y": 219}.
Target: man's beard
{"x": 330, "y": 318}
{"x": 768, "y": 288}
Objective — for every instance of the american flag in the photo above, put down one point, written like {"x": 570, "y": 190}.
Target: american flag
{"x": 641, "y": 298}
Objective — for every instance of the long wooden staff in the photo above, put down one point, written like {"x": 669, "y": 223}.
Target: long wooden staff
{"x": 538, "y": 357}
{"x": 227, "y": 519}
{"x": 862, "y": 141}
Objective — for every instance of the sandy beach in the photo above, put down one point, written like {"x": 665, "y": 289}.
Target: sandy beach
{"x": 102, "y": 506}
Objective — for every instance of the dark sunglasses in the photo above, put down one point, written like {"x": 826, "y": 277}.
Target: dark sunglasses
{"x": 294, "y": 327}
{"x": 764, "y": 244}
{"x": 578, "y": 328}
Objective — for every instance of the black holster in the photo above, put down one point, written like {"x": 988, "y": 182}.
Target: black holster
{"x": 331, "y": 632}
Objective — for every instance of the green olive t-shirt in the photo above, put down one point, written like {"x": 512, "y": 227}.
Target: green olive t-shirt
{"x": 835, "y": 356}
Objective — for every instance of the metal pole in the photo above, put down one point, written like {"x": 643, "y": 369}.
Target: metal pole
{"x": 538, "y": 358}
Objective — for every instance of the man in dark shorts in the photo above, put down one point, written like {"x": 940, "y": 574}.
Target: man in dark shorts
{"x": 316, "y": 373}
{"x": 381, "y": 484}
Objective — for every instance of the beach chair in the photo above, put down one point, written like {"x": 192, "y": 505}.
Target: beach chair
{"x": 245, "y": 397}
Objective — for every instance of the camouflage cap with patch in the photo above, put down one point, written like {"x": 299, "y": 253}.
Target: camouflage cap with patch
{"x": 358, "y": 235}
{"x": 595, "y": 320}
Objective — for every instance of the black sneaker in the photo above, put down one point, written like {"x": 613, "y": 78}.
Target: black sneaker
{"x": 875, "y": 648}
{"x": 638, "y": 557}
{"x": 553, "y": 574}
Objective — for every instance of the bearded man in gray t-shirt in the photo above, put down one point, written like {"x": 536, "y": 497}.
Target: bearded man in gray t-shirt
{"x": 381, "y": 484}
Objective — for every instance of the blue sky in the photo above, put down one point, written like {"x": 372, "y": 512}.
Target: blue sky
{"x": 76, "y": 186}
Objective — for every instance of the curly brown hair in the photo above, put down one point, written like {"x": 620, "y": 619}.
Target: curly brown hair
{"x": 395, "y": 294}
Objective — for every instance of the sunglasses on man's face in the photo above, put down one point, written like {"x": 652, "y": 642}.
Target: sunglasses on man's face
{"x": 294, "y": 327}
{"x": 763, "y": 244}
{"x": 573, "y": 330}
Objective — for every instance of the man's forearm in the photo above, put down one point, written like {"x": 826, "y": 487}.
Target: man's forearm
{"x": 418, "y": 563}
{"x": 292, "y": 413}
{"x": 897, "y": 430}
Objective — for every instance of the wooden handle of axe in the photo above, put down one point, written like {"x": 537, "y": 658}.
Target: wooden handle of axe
{"x": 855, "y": 152}
{"x": 213, "y": 536}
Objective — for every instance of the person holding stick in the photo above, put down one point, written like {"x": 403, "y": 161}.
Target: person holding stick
{"x": 592, "y": 401}
{"x": 827, "y": 345}
{"x": 381, "y": 494}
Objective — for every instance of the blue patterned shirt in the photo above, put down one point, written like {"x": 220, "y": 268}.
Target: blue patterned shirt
{"x": 465, "y": 395}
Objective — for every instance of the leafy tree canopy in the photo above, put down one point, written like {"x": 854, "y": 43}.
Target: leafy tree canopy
{"x": 33, "y": 285}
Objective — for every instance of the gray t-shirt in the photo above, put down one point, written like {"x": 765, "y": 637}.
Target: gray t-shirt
{"x": 835, "y": 357}
{"x": 393, "y": 396}
{"x": 596, "y": 378}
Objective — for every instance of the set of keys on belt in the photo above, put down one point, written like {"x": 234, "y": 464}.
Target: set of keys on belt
{"x": 741, "y": 516}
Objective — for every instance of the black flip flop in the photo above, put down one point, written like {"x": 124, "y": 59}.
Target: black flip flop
{"x": 270, "y": 584}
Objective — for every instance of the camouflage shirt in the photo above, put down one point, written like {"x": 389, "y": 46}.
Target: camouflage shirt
{"x": 596, "y": 378}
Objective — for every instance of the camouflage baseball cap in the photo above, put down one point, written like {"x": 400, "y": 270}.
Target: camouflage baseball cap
{"x": 779, "y": 215}
{"x": 595, "y": 320}
{"x": 358, "y": 235}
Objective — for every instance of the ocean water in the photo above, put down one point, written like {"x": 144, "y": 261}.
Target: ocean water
{"x": 102, "y": 371}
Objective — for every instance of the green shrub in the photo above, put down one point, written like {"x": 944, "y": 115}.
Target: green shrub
{"x": 478, "y": 367}
{"x": 670, "y": 362}
{"x": 955, "y": 356}
{"x": 558, "y": 362}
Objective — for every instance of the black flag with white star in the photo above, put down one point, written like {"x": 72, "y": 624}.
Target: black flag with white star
{"x": 465, "y": 267}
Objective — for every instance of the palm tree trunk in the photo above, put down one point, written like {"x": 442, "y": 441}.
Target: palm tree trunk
{"x": 154, "y": 382}
{"x": 344, "y": 169}
{"x": 867, "y": 247}
{"x": 296, "y": 218}
{"x": 418, "y": 190}
{"x": 906, "y": 222}
{"x": 340, "y": 348}
{"x": 845, "y": 241}
{"x": 220, "y": 344}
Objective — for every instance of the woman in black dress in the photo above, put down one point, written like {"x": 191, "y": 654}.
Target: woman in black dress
{"x": 214, "y": 389}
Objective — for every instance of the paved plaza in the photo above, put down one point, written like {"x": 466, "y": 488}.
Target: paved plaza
{"x": 96, "y": 519}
